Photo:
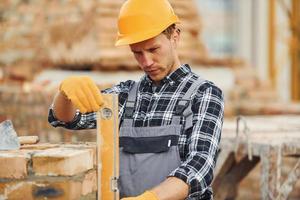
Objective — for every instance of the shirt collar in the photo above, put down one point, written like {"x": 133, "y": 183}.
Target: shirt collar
{"x": 176, "y": 76}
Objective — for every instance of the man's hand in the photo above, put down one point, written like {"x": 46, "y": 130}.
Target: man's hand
{"x": 82, "y": 92}
{"x": 148, "y": 195}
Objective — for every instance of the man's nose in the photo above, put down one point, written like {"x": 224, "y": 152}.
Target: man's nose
{"x": 146, "y": 60}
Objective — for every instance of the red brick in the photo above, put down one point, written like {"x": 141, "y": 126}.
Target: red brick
{"x": 42, "y": 189}
{"x": 86, "y": 145}
{"x": 13, "y": 164}
{"x": 16, "y": 190}
{"x": 67, "y": 189}
{"x": 62, "y": 161}
{"x": 41, "y": 146}
{"x": 89, "y": 183}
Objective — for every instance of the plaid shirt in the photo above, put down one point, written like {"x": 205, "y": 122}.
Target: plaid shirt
{"x": 155, "y": 106}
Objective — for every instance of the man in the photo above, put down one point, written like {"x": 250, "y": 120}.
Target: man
{"x": 170, "y": 120}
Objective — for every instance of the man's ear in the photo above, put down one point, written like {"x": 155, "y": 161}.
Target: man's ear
{"x": 176, "y": 36}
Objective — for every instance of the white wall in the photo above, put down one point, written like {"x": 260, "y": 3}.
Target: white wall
{"x": 282, "y": 57}
{"x": 252, "y": 34}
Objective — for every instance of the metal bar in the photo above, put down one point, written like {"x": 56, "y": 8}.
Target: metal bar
{"x": 295, "y": 50}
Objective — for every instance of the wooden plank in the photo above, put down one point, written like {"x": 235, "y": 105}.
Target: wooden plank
{"x": 225, "y": 163}
{"x": 289, "y": 183}
{"x": 108, "y": 149}
{"x": 234, "y": 176}
{"x": 271, "y": 138}
{"x": 270, "y": 172}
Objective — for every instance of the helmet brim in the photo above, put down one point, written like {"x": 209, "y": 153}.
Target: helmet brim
{"x": 142, "y": 36}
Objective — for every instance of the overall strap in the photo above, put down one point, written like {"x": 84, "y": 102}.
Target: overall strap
{"x": 184, "y": 106}
{"x": 130, "y": 104}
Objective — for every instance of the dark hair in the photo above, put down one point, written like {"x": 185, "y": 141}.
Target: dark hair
{"x": 169, "y": 31}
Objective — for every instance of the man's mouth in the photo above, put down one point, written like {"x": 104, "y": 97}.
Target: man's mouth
{"x": 152, "y": 71}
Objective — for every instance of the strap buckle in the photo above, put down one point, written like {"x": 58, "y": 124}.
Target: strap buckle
{"x": 129, "y": 109}
{"x": 181, "y": 106}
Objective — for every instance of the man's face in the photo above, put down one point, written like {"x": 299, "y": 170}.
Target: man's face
{"x": 157, "y": 56}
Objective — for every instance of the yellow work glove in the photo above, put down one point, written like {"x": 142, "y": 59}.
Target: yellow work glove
{"x": 82, "y": 92}
{"x": 148, "y": 195}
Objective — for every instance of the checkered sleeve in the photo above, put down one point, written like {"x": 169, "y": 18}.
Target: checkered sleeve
{"x": 203, "y": 140}
{"x": 88, "y": 120}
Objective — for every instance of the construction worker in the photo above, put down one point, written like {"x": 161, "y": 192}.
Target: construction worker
{"x": 170, "y": 120}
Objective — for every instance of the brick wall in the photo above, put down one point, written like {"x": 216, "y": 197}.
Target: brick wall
{"x": 28, "y": 110}
{"x": 78, "y": 34}
{"x": 68, "y": 171}
{"x": 41, "y": 171}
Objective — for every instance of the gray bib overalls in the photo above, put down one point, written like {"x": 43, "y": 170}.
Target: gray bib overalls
{"x": 149, "y": 154}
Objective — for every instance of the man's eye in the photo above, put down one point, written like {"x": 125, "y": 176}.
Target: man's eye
{"x": 153, "y": 49}
{"x": 137, "y": 53}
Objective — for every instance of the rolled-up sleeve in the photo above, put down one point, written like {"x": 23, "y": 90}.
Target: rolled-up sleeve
{"x": 79, "y": 122}
{"x": 203, "y": 140}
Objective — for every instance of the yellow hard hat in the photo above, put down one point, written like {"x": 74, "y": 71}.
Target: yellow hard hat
{"x": 140, "y": 20}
